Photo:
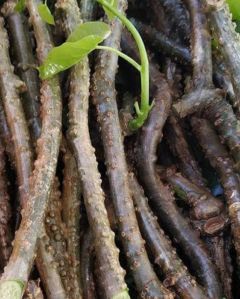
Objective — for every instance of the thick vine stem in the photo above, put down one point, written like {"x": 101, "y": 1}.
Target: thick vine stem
{"x": 175, "y": 273}
{"x": 179, "y": 147}
{"x": 201, "y": 92}
{"x": 10, "y": 88}
{"x": 104, "y": 97}
{"x": 200, "y": 44}
{"x": 22, "y": 51}
{"x": 87, "y": 263}
{"x": 5, "y": 213}
{"x": 55, "y": 229}
{"x": 220, "y": 160}
{"x": 106, "y": 250}
{"x": 17, "y": 271}
{"x": 23, "y": 55}
{"x": 48, "y": 270}
{"x": 162, "y": 200}
{"x": 71, "y": 199}
{"x": 178, "y": 19}
{"x": 204, "y": 205}
{"x": 229, "y": 40}
{"x": 5, "y": 135}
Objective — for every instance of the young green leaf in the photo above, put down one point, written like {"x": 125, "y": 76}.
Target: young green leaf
{"x": 20, "y": 5}
{"x": 68, "y": 54}
{"x": 114, "y": 4}
{"x": 45, "y": 14}
{"x": 100, "y": 29}
{"x": 234, "y": 6}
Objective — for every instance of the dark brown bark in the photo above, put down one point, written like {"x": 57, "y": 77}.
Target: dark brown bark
{"x": 204, "y": 205}
{"x": 10, "y": 89}
{"x": 229, "y": 42}
{"x": 71, "y": 199}
{"x": 161, "y": 199}
{"x": 104, "y": 97}
{"x": 22, "y": 51}
{"x": 31, "y": 226}
{"x": 106, "y": 250}
{"x": 175, "y": 273}
{"x": 179, "y": 147}
{"x": 220, "y": 160}
{"x": 87, "y": 263}
{"x": 5, "y": 213}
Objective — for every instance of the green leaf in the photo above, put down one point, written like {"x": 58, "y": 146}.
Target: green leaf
{"x": 68, "y": 54}
{"x": 45, "y": 14}
{"x": 20, "y": 6}
{"x": 114, "y": 4}
{"x": 234, "y": 6}
{"x": 100, "y": 29}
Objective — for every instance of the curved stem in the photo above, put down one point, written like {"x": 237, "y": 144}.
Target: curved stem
{"x": 122, "y": 55}
{"x": 145, "y": 107}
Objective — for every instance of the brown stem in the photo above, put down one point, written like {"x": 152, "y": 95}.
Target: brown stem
{"x": 22, "y": 50}
{"x": 71, "y": 197}
{"x": 48, "y": 270}
{"x": 106, "y": 250}
{"x": 161, "y": 199}
{"x": 175, "y": 273}
{"x": 220, "y": 160}
{"x": 180, "y": 149}
{"x": 5, "y": 213}
{"x": 6, "y": 135}
{"x": 200, "y": 45}
{"x": 229, "y": 40}
{"x": 26, "y": 238}
{"x": 10, "y": 88}
{"x": 104, "y": 97}
{"x": 204, "y": 205}
{"x": 87, "y": 256}
{"x": 55, "y": 229}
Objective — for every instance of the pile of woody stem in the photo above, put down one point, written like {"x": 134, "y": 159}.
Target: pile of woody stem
{"x": 106, "y": 196}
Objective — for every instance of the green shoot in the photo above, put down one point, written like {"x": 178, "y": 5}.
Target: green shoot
{"x": 145, "y": 107}
{"x": 86, "y": 38}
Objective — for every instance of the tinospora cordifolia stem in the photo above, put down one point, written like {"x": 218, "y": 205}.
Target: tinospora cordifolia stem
{"x": 229, "y": 41}
{"x": 180, "y": 149}
{"x": 10, "y": 89}
{"x": 104, "y": 97}
{"x": 16, "y": 272}
{"x": 204, "y": 205}
{"x": 23, "y": 55}
{"x": 71, "y": 200}
{"x": 220, "y": 160}
{"x": 5, "y": 213}
{"x": 87, "y": 264}
{"x": 106, "y": 251}
{"x": 160, "y": 197}
{"x": 175, "y": 273}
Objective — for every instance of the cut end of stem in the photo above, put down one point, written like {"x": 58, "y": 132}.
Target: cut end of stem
{"x": 11, "y": 289}
{"x": 123, "y": 295}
